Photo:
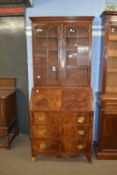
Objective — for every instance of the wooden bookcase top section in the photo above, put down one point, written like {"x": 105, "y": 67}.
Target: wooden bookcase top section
{"x": 62, "y": 51}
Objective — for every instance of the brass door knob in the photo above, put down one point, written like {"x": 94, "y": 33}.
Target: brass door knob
{"x": 80, "y": 120}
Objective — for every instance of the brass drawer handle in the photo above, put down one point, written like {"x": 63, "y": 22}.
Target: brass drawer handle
{"x": 81, "y": 132}
{"x": 42, "y": 146}
{"x": 40, "y": 132}
{"x": 80, "y": 147}
{"x": 80, "y": 120}
{"x": 41, "y": 118}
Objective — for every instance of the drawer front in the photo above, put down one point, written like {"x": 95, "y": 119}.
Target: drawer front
{"x": 79, "y": 119}
{"x": 76, "y": 131}
{"x": 45, "y": 146}
{"x": 43, "y": 131}
{"x": 45, "y": 118}
{"x": 74, "y": 146}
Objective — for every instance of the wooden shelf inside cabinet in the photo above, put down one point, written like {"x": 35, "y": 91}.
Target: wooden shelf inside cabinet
{"x": 61, "y": 107}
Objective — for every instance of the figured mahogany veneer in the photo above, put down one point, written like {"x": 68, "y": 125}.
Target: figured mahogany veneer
{"x": 59, "y": 131}
{"x": 61, "y": 110}
{"x": 8, "y": 112}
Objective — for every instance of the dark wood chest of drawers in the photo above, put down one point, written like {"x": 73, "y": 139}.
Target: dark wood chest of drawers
{"x": 8, "y": 112}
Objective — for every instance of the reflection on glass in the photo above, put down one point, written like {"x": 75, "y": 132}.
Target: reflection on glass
{"x": 82, "y": 49}
{"x": 114, "y": 30}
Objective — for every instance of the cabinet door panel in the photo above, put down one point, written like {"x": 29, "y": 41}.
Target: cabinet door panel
{"x": 111, "y": 61}
{"x": 76, "y": 55}
{"x": 46, "y": 47}
{"x": 109, "y": 131}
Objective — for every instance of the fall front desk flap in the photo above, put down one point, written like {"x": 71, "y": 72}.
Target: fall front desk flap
{"x": 61, "y": 99}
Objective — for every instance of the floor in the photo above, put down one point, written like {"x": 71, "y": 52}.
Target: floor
{"x": 17, "y": 161}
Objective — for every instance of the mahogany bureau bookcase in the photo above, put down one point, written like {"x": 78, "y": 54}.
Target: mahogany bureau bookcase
{"x": 61, "y": 110}
{"x": 107, "y": 135}
{"x": 8, "y": 112}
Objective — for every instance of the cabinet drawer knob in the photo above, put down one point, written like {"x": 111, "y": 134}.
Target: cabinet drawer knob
{"x": 81, "y": 132}
{"x": 42, "y": 146}
{"x": 80, "y": 120}
{"x": 80, "y": 147}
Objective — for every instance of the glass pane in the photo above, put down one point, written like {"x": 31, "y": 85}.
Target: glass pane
{"x": 53, "y": 63}
{"x": 113, "y": 33}
{"x": 113, "y": 30}
{"x": 111, "y": 84}
{"x": 112, "y": 64}
{"x": 76, "y": 55}
{"x": 46, "y": 57}
{"x": 112, "y": 48}
{"x": 53, "y": 75}
{"x": 41, "y": 77}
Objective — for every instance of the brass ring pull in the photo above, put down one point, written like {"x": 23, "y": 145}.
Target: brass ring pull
{"x": 42, "y": 146}
{"x": 80, "y": 147}
{"x": 80, "y": 120}
{"x": 41, "y": 118}
{"x": 81, "y": 132}
{"x": 42, "y": 132}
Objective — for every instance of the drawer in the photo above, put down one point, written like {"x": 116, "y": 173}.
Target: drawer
{"x": 43, "y": 131}
{"x": 75, "y": 131}
{"x": 74, "y": 146}
{"x": 45, "y": 146}
{"x": 45, "y": 118}
{"x": 80, "y": 118}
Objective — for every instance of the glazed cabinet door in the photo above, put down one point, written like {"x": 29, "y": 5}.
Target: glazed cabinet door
{"x": 108, "y": 132}
{"x": 111, "y": 52}
{"x": 76, "y": 57}
{"x": 46, "y": 54}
